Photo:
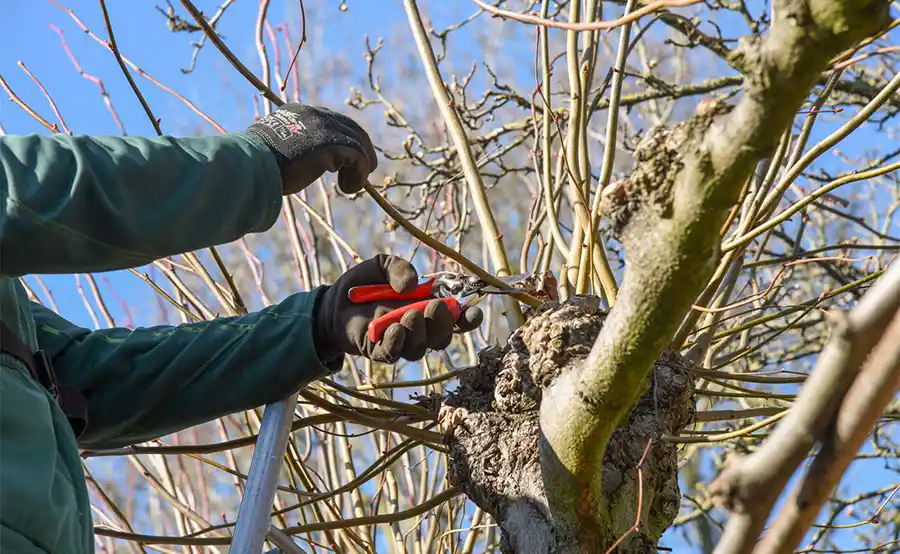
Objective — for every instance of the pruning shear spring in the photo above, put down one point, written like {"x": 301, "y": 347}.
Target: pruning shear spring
{"x": 450, "y": 288}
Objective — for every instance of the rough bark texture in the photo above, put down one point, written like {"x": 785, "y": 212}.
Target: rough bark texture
{"x": 491, "y": 424}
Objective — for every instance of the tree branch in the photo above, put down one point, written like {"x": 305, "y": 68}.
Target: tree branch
{"x": 863, "y": 405}
{"x": 751, "y": 485}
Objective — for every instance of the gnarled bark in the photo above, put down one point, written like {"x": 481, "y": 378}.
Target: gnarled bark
{"x": 491, "y": 423}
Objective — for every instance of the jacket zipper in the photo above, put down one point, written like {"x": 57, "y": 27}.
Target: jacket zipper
{"x": 24, "y": 328}
{"x": 26, "y": 332}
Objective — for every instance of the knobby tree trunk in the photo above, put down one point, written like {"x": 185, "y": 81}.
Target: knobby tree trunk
{"x": 491, "y": 422}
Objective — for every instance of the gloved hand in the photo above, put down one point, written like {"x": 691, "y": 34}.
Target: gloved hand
{"x": 309, "y": 141}
{"x": 342, "y": 327}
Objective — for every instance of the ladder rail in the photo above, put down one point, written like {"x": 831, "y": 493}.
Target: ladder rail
{"x": 254, "y": 515}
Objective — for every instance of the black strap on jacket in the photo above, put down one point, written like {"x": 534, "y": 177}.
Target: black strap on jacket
{"x": 70, "y": 399}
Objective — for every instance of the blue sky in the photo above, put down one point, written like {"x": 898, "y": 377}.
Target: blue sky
{"x": 142, "y": 35}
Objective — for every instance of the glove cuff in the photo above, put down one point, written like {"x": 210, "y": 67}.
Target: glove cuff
{"x": 258, "y": 132}
{"x": 329, "y": 355}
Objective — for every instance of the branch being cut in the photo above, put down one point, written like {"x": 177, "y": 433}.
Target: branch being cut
{"x": 513, "y": 309}
{"x": 492, "y": 235}
{"x": 687, "y": 179}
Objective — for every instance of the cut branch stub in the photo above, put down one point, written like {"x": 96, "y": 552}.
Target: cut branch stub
{"x": 491, "y": 424}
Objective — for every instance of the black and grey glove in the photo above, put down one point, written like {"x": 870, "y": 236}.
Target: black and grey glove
{"x": 309, "y": 141}
{"x": 342, "y": 326}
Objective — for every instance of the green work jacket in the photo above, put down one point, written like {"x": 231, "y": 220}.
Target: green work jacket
{"x": 93, "y": 204}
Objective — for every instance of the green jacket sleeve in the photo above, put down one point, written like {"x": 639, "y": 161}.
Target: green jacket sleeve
{"x": 87, "y": 204}
{"x": 148, "y": 382}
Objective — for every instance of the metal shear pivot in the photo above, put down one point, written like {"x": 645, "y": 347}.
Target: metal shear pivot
{"x": 457, "y": 284}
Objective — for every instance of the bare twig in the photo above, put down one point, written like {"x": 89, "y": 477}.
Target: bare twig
{"x": 593, "y": 26}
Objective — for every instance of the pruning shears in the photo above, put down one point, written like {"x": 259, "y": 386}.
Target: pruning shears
{"x": 456, "y": 290}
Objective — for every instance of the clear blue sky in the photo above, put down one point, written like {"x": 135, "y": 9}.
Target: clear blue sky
{"x": 143, "y": 36}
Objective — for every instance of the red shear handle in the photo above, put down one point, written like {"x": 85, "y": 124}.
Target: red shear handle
{"x": 373, "y": 293}
{"x": 378, "y": 326}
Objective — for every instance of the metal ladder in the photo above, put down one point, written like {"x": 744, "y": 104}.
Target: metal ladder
{"x": 253, "y": 524}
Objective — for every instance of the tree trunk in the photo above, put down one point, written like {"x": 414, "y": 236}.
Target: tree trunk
{"x": 491, "y": 424}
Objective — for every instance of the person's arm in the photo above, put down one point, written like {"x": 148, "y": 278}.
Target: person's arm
{"x": 87, "y": 204}
{"x": 151, "y": 381}
{"x": 148, "y": 382}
